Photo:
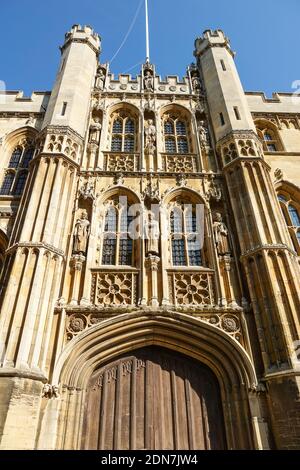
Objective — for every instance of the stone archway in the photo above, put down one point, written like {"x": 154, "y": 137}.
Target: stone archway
{"x": 62, "y": 424}
{"x": 153, "y": 399}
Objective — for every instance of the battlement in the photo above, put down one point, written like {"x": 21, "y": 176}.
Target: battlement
{"x": 209, "y": 39}
{"x": 279, "y": 103}
{"x": 168, "y": 85}
{"x": 84, "y": 34}
{"x": 15, "y": 101}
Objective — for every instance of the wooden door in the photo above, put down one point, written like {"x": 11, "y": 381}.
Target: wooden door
{"x": 153, "y": 399}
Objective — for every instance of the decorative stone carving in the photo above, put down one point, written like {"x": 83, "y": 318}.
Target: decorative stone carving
{"x": 30, "y": 121}
{"x": 191, "y": 288}
{"x": 76, "y": 323}
{"x": 196, "y": 84}
{"x": 227, "y": 322}
{"x": 221, "y": 235}
{"x": 100, "y": 79}
{"x": 148, "y": 81}
{"x": 258, "y": 388}
{"x": 150, "y": 137}
{"x": 204, "y": 135}
{"x": 81, "y": 234}
{"x": 76, "y": 262}
{"x": 50, "y": 391}
{"x": 278, "y": 173}
{"x": 152, "y": 235}
{"x": 152, "y": 262}
{"x": 95, "y": 131}
{"x": 62, "y": 144}
{"x": 87, "y": 191}
{"x": 119, "y": 179}
{"x": 230, "y": 323}
{"x": 230, "y": 153}
{"x": 114, "y": 289}
{"x": 121, "y": 163}
{"x": 214, "y": 191}
{"x": 181, "y": 180}
{"x": 246, "y": 148}
{"x": 151, "y": 192}
{"x": 180, "y": 164}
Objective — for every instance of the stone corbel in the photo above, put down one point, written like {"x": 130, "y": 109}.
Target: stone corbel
{"x": 50, "y": 391}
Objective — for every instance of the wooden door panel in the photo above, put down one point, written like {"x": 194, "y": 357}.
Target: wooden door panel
{"x": 153, "y": 399}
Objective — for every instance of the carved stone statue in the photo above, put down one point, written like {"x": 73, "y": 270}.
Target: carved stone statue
{"x": 214, "y": 191}
{"x": 148, "y": 81}
{"x": 221, "y": 235}
{"x": 81, "y": 234}
{"x": 152, "y": 235}
{"x": 95, "y": 131}
{"x": 197, "y": 87}
{"x": 203, "y": 134}
{"x": 150, "y": 137}
{"x": 100, "y": 79}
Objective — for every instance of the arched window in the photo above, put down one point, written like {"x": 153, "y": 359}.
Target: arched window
{"x": 27, "y": 157}
{"x": 20, "y": 183}
{"x": 185, "y": 240}
{"x": 7, "y": 184}
{"x": 117, "y": 241}
{"x": 176, "y": 135}
{"x": 123, "y": 134}
{"x": 269, "y": 136}
{"x": 294, "y": 215}
{"x": 291, "y": 213}
{"x": 14, "y": 180}
{"x": 15, "y": 158}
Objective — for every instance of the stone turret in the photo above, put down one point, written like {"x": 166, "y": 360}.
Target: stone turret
{"x": 69, "y": 102}
{"x": 226, "y": 98}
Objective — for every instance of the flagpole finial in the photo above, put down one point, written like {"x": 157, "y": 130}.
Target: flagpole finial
{"x": 147, "y": 32}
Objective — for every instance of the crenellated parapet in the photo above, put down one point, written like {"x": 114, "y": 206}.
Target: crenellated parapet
{"x": 211, "y": 39}
{"x": 82, "y": 35}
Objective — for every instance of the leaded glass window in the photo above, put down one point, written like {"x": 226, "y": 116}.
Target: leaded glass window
{"x": 27, "y": 157}
{"x": 294, "y": 216}
{"x": 14, "y": 181}
{"x": 176, "y": 136}
{"x": 185, "y": 244}
{"x": 19, "y": 186}
{"x": 15, "y": 158}
{"x": 123, "y": 134}
{"x": 7, "y": 184}
{"x": 117, "y": 242}
{"x": 292, "y": 219}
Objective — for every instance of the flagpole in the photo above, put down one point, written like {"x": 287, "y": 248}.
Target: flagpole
{"x": 147, "y": 32}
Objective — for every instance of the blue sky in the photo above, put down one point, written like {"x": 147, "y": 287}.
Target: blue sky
{"x": 264, "y": 33}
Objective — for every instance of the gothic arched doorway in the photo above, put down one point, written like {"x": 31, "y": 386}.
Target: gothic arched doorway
{"x": 153, "y": 399}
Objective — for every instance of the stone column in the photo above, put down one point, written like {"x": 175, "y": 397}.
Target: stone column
{"x": 152, "y": 263}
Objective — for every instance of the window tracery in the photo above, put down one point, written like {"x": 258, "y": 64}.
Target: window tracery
{"x": 176, "y": 136}
{"x": 118, "y": 245}
{"x": 185, "y": 236}
{"x": 123, "y": 133}
{"x": 269, "y": 136}
{"x": 291, "y": 212}
{"x": 15, "y": 174}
